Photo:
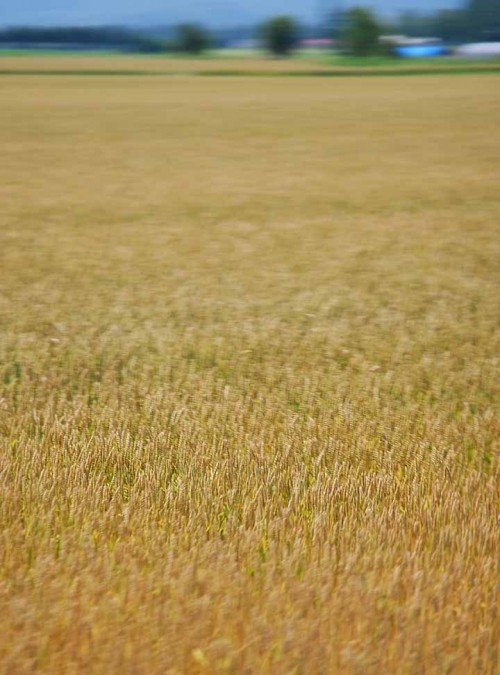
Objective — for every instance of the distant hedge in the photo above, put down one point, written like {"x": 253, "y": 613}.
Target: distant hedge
{"x": 86, "y": 38}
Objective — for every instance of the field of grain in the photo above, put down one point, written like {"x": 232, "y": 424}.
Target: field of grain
{"x": 149, "y": 64}
{"x": 249, "y": 374}
{"x": 231, "y": 62}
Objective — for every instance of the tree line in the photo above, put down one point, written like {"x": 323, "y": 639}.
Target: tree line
{"x": 84, "y": 37}
{"x": 356, "y": 31}
{"x": 478, "y": 21}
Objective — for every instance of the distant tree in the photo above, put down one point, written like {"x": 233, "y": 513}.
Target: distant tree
{"x": 451, "y": 25}
{"x": 416, "y": 25}
{"x": 280, "y": 35}
{"x": 484, "y": 19}
{"x": 192, "y": 39}
{"x": 81, "y": 37}
{"x": 361, "y": 32}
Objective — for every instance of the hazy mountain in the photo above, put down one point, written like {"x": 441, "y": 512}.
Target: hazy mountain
{"x": 212, "y": 12}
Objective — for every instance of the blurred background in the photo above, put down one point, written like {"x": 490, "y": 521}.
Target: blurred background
{"x": 319, "y": 29}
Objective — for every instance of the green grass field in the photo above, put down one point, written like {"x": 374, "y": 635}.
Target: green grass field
{"x": 249, "y": 374}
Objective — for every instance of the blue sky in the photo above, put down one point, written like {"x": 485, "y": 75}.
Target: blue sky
{"x": 214, "y": 12}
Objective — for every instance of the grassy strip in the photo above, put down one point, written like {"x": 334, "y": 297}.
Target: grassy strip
{"x": 82, "y": 73}
{"x": 353, "y": 72}
{"x": 379, "y": 72}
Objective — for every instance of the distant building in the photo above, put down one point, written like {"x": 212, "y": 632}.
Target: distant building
{"x": 317, "y": 43}
{"x": 479, "y": 50}
{"x": 414, "y": 48}
{"x": 405, "y": 41}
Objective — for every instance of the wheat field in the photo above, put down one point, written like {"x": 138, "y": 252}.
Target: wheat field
{"x": 231, "y": 62}
{"x": 249, "y": 362}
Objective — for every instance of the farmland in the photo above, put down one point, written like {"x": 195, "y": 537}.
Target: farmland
{"x": 234, "y": 62}
{"x": 249, "y": 373}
